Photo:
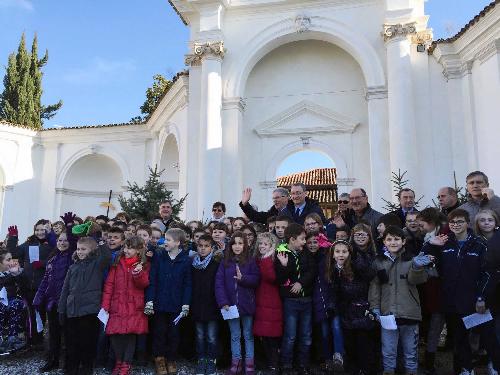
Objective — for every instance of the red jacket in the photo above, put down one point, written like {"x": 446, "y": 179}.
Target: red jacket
{"x": 123, "y": 299}
{"x": 268, "y": 320}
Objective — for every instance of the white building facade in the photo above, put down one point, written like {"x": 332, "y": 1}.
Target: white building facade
{"x": 360, "y": 81}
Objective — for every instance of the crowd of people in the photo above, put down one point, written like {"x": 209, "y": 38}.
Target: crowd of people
{"x": 358, "y": 292}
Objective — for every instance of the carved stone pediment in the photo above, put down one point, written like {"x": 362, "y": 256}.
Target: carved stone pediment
{"x": 306, "y": 117}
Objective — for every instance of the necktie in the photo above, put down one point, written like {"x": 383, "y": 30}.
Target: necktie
{"x": 297, "y": 212}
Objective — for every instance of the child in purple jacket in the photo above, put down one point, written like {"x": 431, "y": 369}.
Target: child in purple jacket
{"x": 237, "y": 278}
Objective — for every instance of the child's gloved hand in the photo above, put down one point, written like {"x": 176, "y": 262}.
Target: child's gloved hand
{"x": 13, "y": 231}
{"x": 422, "y": 260}
{"x": 185, "y": 310}
{"x": 37, "y": 265}
{"x": 148, "y": 308}
{"x": 68, "y": 218}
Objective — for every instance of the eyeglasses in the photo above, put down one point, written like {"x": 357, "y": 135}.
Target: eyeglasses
{"x": 360, "y": 235}
{"x": 217, "y": 210}
{"x": 344, "y": 202}
{"x": 457, "y": 222}
{"x": 281, "y": 196}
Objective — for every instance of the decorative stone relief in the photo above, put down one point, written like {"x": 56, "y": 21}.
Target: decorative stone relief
{"x": 399, "y": 30}
{"x": 201, "y": 50}
{"x": 302, "y": 23}
{"x": 422, "y": 37}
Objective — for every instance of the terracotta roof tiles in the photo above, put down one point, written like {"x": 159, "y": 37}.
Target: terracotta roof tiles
{"x": 320, "y": 183}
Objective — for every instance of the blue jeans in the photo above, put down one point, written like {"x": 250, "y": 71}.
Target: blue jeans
{"x": 330, "y": 328}
{"x": 408, "y": 334}
{"x": 297, "y": 315}
{"x": 236, "y": 326}
{"x": 206, "y": 339}
{"x": 497, "y": 326}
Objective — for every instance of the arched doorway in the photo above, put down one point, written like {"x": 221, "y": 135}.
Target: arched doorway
{"x": 169, "y": 163}
{"x": 87, "y": 184}
{"x": 317, "y": 171}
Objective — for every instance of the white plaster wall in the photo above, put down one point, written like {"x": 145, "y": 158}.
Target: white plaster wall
{"x": 316, "y": 71}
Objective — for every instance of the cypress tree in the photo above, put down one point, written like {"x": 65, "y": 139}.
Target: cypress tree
{"x": 20, "y": 102}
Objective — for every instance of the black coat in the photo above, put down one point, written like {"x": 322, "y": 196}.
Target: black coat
{"x": 262, "y": 216}
{"x": 401, "y": 215}
{"x": 352, "y": 295}
{"x": 492, "y": 263}
{"x": 33, "y": 273}
{"x": 301, "y": 267}
{"x": 311, "y": 206}
{"x": 203, "y": 304}
{"x": 16, "y": 285}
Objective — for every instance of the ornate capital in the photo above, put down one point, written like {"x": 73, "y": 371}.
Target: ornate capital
{"x": 456, "y": 68}
{"x": 398, "y": 30}
{"x": 302, "y": 23}
{"x": 203, "y": 50}
{"x": 422, "y": 37}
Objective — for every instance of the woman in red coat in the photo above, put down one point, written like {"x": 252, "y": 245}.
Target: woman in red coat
{"x": 268, "y": 323}
{"x": 123, "y": 299}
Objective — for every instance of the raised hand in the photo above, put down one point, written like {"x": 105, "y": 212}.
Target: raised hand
{"x": 439, "y": 240}
{"x": 68, "y": 218}
{"x": 283, "y": 258}
{"x": 247, "y": 194}
{"x": 13, "y": 232}
{"x": 488, "y": 193}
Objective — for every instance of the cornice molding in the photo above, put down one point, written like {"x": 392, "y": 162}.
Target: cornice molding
{"x": 84, "y": 193}
{"x": 488, "y": 51}
{"x": 267, "y": 184}
{"x": 376, "y": 92}
{"x": 277, "y": 125}
{"x": 234, "y": 103}
{"x": 203, "y": 50}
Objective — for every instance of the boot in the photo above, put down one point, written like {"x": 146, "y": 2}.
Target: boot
{"x": 125, "y": 369}
{"x": 51, "y": 364}
{"x": 429, "y": 363}
{"x": 161, "y": 368}
{"x": 236, "y": 367}
{"x": 249, "y": 366}
{"x": 117, "y": 368}
{"x": 171, "y": 368}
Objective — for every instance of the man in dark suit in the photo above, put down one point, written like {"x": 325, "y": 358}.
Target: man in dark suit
{"x": 406, "y": 197}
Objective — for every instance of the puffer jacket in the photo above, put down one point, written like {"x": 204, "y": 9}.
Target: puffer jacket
{"x": 123, "y": 299}
{"x": 82, "y": 290}
{"x": 268, "y": 320}
{"x": 203, "y": 305}
{"x": 170, "y": 282}
{"x": 394, "y": 289}
{"x": 16, "y": 284}
{"x": 229, "y": 291}
{"x": 352, "y": 294}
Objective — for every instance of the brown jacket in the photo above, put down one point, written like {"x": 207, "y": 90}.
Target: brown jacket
{"x": 397, "y": 294}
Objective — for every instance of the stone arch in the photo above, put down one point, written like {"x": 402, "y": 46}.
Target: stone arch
{"x": 85, "y": 181}
{"x": 297, "y": 146}
{"x": 169, "y": 162}
{"x": 285, "y": 31}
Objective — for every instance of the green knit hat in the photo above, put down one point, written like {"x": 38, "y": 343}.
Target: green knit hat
{"x": 82, "y": 229}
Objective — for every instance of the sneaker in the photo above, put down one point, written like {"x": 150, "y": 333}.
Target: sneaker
{"x": 201, "y": 366}
{"x": 211, "y": 367}
{"x": 491, "y": 370}
{"x": 338, "y": 362}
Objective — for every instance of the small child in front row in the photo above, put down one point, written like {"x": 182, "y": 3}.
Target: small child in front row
{"x": 123, "y": 299}
{"x": 80, "y": 303}
{"x": 167, "y": 297}
{"x": 394, "y": 292}
{"x": 237, "y": 278}
{"x": 268, "y": 323}
{"x": 204, "y": 309}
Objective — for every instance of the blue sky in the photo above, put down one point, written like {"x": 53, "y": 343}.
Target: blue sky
{"x": 103, "y": 54}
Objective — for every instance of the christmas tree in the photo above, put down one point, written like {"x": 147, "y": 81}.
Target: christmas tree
{"x": 144, "y": 200}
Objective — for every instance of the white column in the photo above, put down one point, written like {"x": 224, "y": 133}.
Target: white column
{"x": 380, "y": 165}
{"x": 210, "y": 143}
{"x": 232, "y": 179}
{"x": 48, "y": 177}
{"x": 402, "y": 134}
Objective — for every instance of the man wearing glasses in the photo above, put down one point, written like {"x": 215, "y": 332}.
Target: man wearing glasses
{"x": 218, "y": 212}
{"x": 480, "y": 195}
{"x": 361, "y": 209}
{"x": 279, "y": 208}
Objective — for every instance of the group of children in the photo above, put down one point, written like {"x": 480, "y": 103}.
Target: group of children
{"x": 118, "y": 285}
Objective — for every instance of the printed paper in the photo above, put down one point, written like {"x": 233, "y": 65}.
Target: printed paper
{"x": 232, "y": 313}
{"x": 476, "y": 319}
{"x": 103, "y": 316}
{"x": 34, "y": 253}
{"x": 388, "y": 322}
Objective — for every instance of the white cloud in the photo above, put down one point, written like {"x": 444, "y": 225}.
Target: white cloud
{"x": 22, "y": 4}
{"x": 99, "y": 70}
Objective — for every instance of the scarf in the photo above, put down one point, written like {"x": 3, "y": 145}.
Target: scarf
{"x": 129, "y": 262}
{"x": 323, "y": 241}
{"x": 202, "y": 264}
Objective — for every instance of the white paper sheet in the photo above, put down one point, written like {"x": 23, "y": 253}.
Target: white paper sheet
{"x": 34, "y": 253}
{"x": 103, "y": 316}
{"x": 476, "y": 319}
{"x": 3, "y": 297}
{"x": 232, "y": 313}
{"x": 39, "y": 323}
{"x": 179, "y": 317}
{"x": 388, "y": 322}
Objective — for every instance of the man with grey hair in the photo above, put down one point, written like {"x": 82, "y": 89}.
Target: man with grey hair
{"x": 481, "y": 196}
{"x": 280, "y": 201}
